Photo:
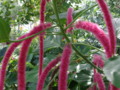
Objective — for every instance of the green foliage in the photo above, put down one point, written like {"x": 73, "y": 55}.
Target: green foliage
{"x": 112, "y": 69}
{"x": 4, "y": 30}
{"x": 18, "y": 12}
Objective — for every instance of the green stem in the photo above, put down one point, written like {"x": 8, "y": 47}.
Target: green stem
{"x": 51, "y": 81}
{"x": 58, "y": 19}
{"x": 89, "y": 46}
{"x": 78, "y": 86}
{"x": 68, "y": 41}
{"x": 27, "y": 37}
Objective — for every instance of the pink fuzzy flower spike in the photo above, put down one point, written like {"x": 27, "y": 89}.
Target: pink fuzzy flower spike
{"x": 42, "y": 10}
{"x": 99, "y": 33}
{"x": 22, "y": 64}
{"x": 99, "y": 81}
{"x": 41, "y": 36}
{"x": 62, "y": 83}
{"x": 110, "y": 27}
{"x": 46, "y": 71}
{"x": 13, "y": 47}
{"x": 97, "y": 60}
{"x": 69, "y": 19}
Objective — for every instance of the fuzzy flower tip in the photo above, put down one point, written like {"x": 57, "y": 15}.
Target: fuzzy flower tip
{"x": 99, "y": 33}
{"x": 12, "y": 48}
{"x": 112, "y": 87}
{"x": 99, "y": 81}
{"x": 69, "y": 19}
{"x": 97, "y": 60}
{"x": 110, "y": 27}
{"x": 62, "y": 83}
{"x": 46, "y": 71}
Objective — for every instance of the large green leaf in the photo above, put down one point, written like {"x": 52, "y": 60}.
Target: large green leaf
{"x": 4, "y": 30}
{"x": 32, "y": 76}
{"x": 112, "y": 70}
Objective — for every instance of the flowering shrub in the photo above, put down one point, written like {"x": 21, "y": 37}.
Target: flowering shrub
{"x": 107, "y": 41}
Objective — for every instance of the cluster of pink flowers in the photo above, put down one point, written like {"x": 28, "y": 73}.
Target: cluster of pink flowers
{"x": 108, "y": 42}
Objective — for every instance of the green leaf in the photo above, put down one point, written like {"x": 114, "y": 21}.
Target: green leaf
{"x": 83, "y": 77}
{"x": 11, "y": 78}
{"x": 52, "y": 42}
{"x": 32, "y": 76}
{"x": 4, "y": 30}
{"x": 31, "y": 86}
{"x": 83, "y": 49}
{"x": 112, "y": 70}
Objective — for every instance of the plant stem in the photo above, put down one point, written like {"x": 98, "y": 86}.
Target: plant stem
{"x": 59, "y": 24}
{"x": 51, "y": 80}
{"x": 67, "y": 39}
{"x": 27, "y": 37}
{"x": 89, "y": 46}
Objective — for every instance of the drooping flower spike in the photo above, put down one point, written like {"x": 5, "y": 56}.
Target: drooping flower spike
{"x": 109, "y": 24}
{"x": 22, "y": 64}
{"x": 65, "y": 59}
{"x": 99, "y": 33}
{"x": 69, "y": 19}
{"x": 41, "y": 36}
{"x": 46, "y": 71}
{"x": 110, "y": 28}
{"x": 11, "y": 49}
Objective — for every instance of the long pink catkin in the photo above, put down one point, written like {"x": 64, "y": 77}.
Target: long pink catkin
{"x": 46, "y": 71}
{"x": 62, "y": 83}
{"x": 99, "y": 33}
{"x": 110, "y": 27}
{"x": 69, "y": 19}
{"x": 12, "y": 48}
{"x": 41, "y": 36}
{"x": 22, "y": 64}
{"x": 5, "y": 61}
